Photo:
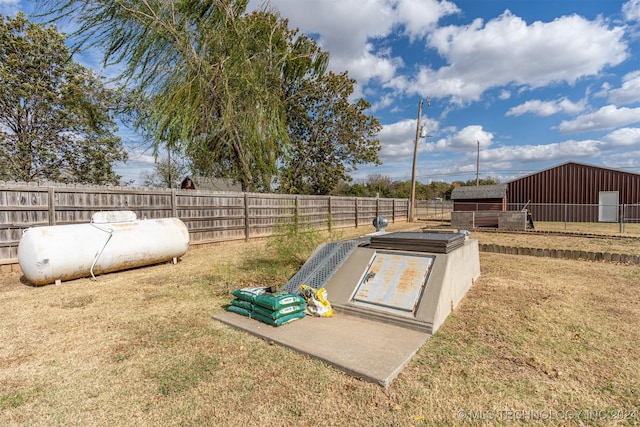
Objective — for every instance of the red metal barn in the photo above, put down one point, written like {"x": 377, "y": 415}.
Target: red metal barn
{"x": 577, "y": 192}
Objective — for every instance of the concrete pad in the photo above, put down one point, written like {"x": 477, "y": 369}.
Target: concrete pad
{"x": 374, "y": 351}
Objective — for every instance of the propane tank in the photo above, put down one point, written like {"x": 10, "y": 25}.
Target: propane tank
{"x": 112, "y": 241}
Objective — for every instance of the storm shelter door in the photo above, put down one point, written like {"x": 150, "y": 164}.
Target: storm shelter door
{"x": 608, "y": 206}
{"x": 394, "y": 281}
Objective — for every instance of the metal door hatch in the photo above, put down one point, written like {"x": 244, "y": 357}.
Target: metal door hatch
{"x": 394, "y": 281}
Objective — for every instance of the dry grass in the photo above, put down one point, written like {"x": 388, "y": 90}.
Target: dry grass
{"x": 141, "y": 348}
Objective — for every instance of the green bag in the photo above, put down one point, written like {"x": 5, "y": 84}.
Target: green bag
{"x": 265, "y": 311}
{"x": 277, "y": 314}
{"x": 266, "y": 319}
{"x": 280, "y": 321}
{"x": 240, "y": 310}
{"x": 273, "y": 301}
{"x": 278, "y": 300}
{"x": 243, "y": 304}
{"x": 248, "y": 294}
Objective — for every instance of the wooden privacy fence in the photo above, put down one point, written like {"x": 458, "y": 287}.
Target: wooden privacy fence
{"x": 210, "y": 216}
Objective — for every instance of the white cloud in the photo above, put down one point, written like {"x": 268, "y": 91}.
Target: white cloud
{"x": 546, "y": 108}
{"x": 346, "y": 28}
{"x": 605, "y": 88}
{"x": 631, "y": 10}
{"x": 623, "y": 137}
{"x": 383, "y": 102}
{"x": 607, "y": 117}
{"x": 627, "y": 160}
{"x": 465, "y": 139}
{"x": 479, "y": 56}
{"x": 398, "y": 139}
{"x": 507, "y": 50}
{"x": 367, "y": 65}
{"x": 630, "y": 90}
{"x": 398, "y": 143}
{"x": 547, "y": 152}
{"x": 420, "y": 16}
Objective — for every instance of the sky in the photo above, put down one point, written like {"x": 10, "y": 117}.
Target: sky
{"x": 530, "y": 84}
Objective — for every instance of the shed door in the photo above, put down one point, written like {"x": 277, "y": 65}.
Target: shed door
{"x": 608, "y": 206}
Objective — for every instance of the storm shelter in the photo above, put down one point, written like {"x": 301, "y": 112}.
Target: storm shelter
{"x": 409, "y": 279}
{"x": 389, "y": 291}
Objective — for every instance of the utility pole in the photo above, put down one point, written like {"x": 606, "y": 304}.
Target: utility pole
{"x": 169, "y": 165}
{"x": 478, "y": 165}
{"x": 412, "y": 216}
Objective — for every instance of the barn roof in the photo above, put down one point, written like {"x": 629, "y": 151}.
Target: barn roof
{"x": 577, "y": 164}
{"x": 497, "y": 191}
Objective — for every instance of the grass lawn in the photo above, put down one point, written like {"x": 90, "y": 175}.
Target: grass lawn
{"x": 545, "y": 340}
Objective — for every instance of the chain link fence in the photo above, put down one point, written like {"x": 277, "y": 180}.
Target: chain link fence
{"x": 583, "y": 218}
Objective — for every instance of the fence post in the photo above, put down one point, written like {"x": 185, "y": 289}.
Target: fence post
{"x": 356, "y": 207}
{"x": 565, "y": 216}
{"x": 52, "y": 205}
{"x": 246, "y": 217}
{"x": 393, "y": 211}
{"x": 296, "y": 219}
{"x": 622, "y": 215}
{"x": 174, "y": 201}
{"x": 329, "y": 216}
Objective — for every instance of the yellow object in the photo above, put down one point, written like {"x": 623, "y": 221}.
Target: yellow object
{"x": 317, "y": 303}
